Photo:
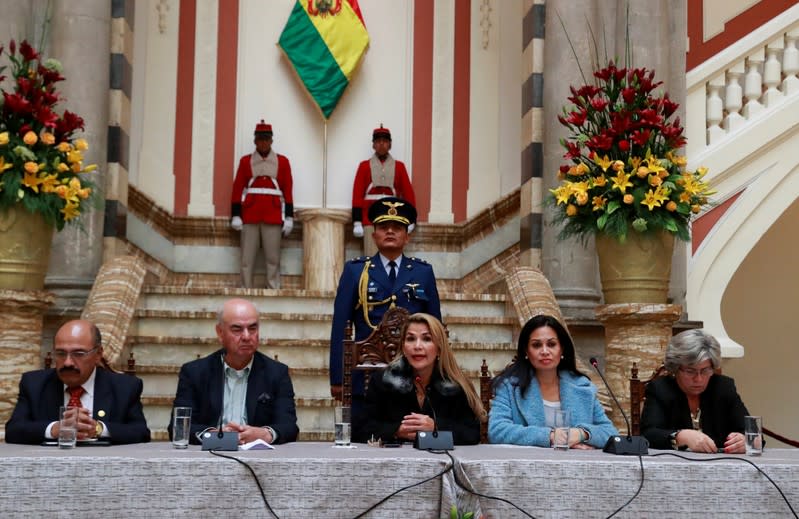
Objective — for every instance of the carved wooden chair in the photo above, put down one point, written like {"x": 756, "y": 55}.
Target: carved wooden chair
{"x": 374, "y": 352}
{"x": 638, "y": 395}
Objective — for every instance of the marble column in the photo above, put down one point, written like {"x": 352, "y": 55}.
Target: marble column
{"x": 323, "y": 246}
{"x": 634, "y": 332}
{"x": 80, "y": 39}
{"x": 20, "y": 340}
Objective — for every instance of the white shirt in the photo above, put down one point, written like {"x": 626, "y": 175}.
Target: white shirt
{"x": 86, "y": 401}
{"x": 385, "y": 261}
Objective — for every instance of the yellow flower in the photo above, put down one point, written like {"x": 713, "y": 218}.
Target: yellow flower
{"x": 562, "y": 194}
{"x": 650, "y": 200}
{"x": 64, "y": 147}
{"x": 4, "y": 166}
{"x": 618, "y": 165}
{"x": 70, "y": 211}
{"x": 582, "y": 198}
{"x": 3, "y": 138}
{"x": 600, "y": 181}
{"x": 81, "y": 144}
{"x": 603, "y": 163}
{"x": 90, "y": 168}
{"x": 31, "y": 167}
{"x": 599, "y": 203}
{"x": 49, "y": 183}
{"x": 655, "y": 180}
{"x": 628, "y": 199}
{"x": 642, "y": 172}
{"x": 635, "y": 162}
{"x": 62, "y": 167}
{"x": 76, "y": 167}
{"x": 30, "y": 138}
{"x": 696, "y": 208}
{"x": 48, "y": 138}
{"x": 32, "y": 181}
{"x": 571, "y": 210}
{"x": 74, "y": 156}
{"x": 671, "y": 206}
{"x": 622, "y": 181}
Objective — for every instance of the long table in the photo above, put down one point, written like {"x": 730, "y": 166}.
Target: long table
{"x": 304, "y": 480}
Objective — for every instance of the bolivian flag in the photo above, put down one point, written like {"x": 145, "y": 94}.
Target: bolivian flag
{"x": 325, "y": 41}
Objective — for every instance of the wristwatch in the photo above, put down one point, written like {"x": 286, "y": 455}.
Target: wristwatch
{"x": 673, "y": 439}
{"x": 98, "y": 428}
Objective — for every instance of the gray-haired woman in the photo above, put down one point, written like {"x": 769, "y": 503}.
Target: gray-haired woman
{"x": 694, "y": 408}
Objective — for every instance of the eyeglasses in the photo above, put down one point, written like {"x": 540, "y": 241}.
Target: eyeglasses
{"x": 691, "y": 372}
{"x": 77, "y": 354}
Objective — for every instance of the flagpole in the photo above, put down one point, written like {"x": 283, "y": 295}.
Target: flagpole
{"x": 324, "y": 168}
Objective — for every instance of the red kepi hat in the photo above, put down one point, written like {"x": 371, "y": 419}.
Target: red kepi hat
{"x": 381, "y": 133}
{"x": 263, "y": 129}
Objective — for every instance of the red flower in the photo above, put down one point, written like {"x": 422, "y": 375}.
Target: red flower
{"x": 573, "y": 151}
{"x": 624, "y": 145}
{"x": 603, "y": 141}
{"x": 28, "y": 52}
{"x": 68, "y": 123}
{"x": 641, "y": 137}
{"x": 16, "y": 104}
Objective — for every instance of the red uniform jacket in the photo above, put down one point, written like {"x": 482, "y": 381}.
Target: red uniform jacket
{"x": 259, "y": 208}
{"x": 363, "y": 177}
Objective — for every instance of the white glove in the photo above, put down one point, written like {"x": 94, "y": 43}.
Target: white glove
{"x": 288, "y": 225}
{"x": 411, "y": 227}
{"x": 357, "y": 229}
{"x": 236, "y": 223}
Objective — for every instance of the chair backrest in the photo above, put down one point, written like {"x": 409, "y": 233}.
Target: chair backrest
{"x": 638, "y": 395}
{"x": 486, "y": 394}
{"x": 374, "y": 352}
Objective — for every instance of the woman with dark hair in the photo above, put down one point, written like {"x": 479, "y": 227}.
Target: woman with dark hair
{"x": 544, "y": 379}
{"x": 423, "y": 389}
{"x": 694, "y": 408}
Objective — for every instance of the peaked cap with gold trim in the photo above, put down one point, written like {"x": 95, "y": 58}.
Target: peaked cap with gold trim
{"x": 392, "y": 209}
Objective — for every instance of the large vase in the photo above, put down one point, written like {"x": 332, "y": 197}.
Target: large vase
{"x": 25, "y": 242}
{"x": 638, "y": 270}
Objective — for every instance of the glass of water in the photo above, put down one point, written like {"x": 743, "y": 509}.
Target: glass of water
{"x": 561, "y": 433}
{"x": 67, "y": 427}
{"x": 181, "y": 426}
{"x": 342, "y": 425}
{"x": 753, "y": 427}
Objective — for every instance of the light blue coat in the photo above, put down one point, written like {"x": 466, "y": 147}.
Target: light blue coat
{"x": 519, "y": 420}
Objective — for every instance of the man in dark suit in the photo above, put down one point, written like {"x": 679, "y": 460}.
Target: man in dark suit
{"x": 237, "y": 386}
{"x": 368, "y": 288}
{"x": 110, "y": 403}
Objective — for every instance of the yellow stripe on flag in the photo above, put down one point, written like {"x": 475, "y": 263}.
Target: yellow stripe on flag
{"x": 344, "y": 35}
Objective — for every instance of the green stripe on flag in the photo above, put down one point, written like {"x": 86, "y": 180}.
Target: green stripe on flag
{"x": 325, "y": 48}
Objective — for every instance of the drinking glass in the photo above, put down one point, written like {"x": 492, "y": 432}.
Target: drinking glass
{"x": 753, "y": 427}
{"x": 67, "y": 427}
{"x": 342, "y": 425}
{"x": 181, "y": 426}
{"x": 562, "y": 422}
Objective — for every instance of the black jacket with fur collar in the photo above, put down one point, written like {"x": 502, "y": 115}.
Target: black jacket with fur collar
{"x": 391, "y": 397}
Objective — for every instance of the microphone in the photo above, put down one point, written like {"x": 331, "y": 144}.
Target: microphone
{"x": 634, "y": 445}
{"x": 221, "y": 441}
{"x": 437, "y": 440}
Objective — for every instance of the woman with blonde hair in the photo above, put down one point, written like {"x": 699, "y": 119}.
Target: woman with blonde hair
{"x": 423, "y": 389}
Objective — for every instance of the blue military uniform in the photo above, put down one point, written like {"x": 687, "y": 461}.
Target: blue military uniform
{"x": 414, "y": 289}
{"x": 365, "y": 292}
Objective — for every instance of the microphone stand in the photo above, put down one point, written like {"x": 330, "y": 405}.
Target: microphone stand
{"x": 625, "y": 445}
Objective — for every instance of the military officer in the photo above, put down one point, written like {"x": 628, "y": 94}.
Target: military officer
{"x": 262, "y": 206}
{"x": 377, "y": 177}
{"x": 369, "y": 286}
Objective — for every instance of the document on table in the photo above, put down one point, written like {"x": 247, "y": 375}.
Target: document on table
{"x": 255, "y": 445}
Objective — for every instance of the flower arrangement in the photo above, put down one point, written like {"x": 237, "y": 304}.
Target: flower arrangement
{"x": 623, "y": 165}
{"x": 40, "y": 160}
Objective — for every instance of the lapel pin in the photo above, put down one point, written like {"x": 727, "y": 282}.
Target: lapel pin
{"x": 101, "y": 413}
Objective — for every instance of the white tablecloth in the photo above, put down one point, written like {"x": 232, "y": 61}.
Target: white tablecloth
{"x": 309, "y": 480}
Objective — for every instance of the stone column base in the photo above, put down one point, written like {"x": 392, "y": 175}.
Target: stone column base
{"x": 323, "y": 246}
{"x": 634, "y": 332}
{"x": 20, "y": 340}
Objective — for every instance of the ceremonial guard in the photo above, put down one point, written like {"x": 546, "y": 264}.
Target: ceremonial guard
{"x": 369, "y": 286}
{"x": 378, "y": 177}
{"x": 262, "y": 206}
